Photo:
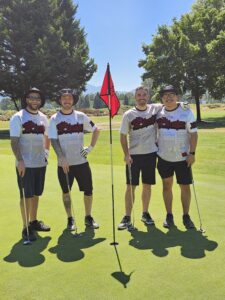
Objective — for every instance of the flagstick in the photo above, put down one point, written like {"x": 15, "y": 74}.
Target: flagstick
{"x": 113, "y": 206}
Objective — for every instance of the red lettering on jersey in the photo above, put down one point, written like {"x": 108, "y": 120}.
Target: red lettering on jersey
{"x": 167, "y": 124}
{"x": 139, "y": 122}
{"x": 31, "y": 127}
{"x": 65, "y": 128}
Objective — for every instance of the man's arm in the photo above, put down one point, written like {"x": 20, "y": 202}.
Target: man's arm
{"x": 16, "y": 150}
{"x": 193, "y": 145}
{"x": 58, "y": 150}
{"x": 124, "y": 144}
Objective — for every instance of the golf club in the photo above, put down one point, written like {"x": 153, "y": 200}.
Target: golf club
{"x": 196, "y": 201}
{"x": 76, "y": 234}
{"x": 26, "y": 241}
{"x": 131, "y": 227}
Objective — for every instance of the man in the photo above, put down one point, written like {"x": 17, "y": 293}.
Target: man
{"x": 140, "y": 156}
{"x": 66, "y": 132}
{"x": 177, "y": 142}
{"x": 30, "y": 145}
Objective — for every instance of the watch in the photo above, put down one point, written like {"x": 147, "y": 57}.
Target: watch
{"x": 192, "y": 153}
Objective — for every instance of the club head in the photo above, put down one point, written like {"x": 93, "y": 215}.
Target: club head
{"x": 27, "y": 242}
{"x": 202, "y": 230}
{"x": 131, "y": 228}
{"x": 77, "y": 235}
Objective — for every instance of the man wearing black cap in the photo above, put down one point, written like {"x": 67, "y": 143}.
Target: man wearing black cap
{"x": 29, "y": 142}
{"x": 66, "y": 132}
{"x": 177, "y": 142}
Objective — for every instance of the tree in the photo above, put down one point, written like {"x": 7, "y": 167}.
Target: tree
{"x": 98, "y": 103}
{"x": 182, "y": 53}
{"x": 126, "y": 100}
{"x": 42, "y": 45}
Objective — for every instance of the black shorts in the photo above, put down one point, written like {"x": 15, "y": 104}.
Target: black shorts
{"x": 33, "y": 182}
{"x": 83, "y": 176}
{"x": 144, "y": 163}
{"x": 183, "y": 172}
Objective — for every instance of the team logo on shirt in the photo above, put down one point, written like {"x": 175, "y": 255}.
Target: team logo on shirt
{"x": 193, "y": 125}
{"x": 31, "y": 127}
{"x": 66, "y": 128}
{"x": 139, "y": 122}
{"x": 167, "y": 124}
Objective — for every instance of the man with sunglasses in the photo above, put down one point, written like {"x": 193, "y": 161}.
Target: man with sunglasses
{"x": 66, "y": 131}
{"x": 30, "y": 145}
{"x": 177, "y": 142}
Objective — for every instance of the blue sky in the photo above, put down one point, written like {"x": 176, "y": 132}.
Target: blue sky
{"x": 117, "y": 29}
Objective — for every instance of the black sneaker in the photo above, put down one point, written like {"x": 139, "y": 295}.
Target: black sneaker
{"x": 39, "y": 226}
{"x": 32, "y": 236}
{"x": 90, "y": 222}
{"x": 70, "y": 224}
{"x": 168, "y": 221}
{"x": 125, "y": 223}
{"x": 147, "y": 219}
{"x": 187, "y": 222}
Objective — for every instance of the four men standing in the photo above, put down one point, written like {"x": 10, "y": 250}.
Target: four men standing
{"x": 167, "y": 131}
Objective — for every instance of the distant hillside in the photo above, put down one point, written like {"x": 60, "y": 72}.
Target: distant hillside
{"x": 92, "y": 89}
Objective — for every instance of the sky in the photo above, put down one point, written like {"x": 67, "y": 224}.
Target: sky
{"x": 116, "y": 31}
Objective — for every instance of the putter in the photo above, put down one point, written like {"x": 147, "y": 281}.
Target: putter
{"x": 76, "y": 234}
{"x": 27, "y": 241}
{"x": 131, "y": 227}
{"x": 196, "y": 201}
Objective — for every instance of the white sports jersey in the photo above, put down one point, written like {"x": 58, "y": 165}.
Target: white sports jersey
{"x": 30, "y": 128}
{"x": 173, "y": 133}
{"x": 69, "y": 130}
{"x": 141, "y": 127}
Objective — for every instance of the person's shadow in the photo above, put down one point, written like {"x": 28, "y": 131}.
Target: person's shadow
{"x": 28, "y": 255}
{"x": 193, "y": 243}
{"x": 69, "y": 247}
{"x": 154, "y": 239}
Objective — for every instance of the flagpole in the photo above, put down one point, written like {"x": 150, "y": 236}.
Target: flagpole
{"x": 111, "y": 159}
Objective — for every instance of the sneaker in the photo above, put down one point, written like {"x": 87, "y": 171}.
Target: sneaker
{"x": 168, "y": 221}
{"x": 125, "y": 223}
{"x": 187, "y": 222}
{"x": 147, "y": 219}
{"x": 39, "y": 226}
{"x": 70, "y": 224}
{"x": 32, "y": 236}
{"x": 90, "y": 222}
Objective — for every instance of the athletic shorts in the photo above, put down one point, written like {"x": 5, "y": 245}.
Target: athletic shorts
{"x": 183, "y": 172}
{"x": 82, "y": 174}
{"x": 144, "y": 164}
{"x": 33, "y": 182}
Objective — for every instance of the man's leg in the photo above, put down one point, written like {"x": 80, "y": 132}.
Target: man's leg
{"x": 129, "y": 199}
{"x": 33, "y": 207}
{"x": 167, "y": 193}
{"x": 185, "y": 197}
{"x": 146, "y": 195}
{"x": 88, "y": 204}
{"x": 67, "y": 204}
{"x": 27, "y": 200}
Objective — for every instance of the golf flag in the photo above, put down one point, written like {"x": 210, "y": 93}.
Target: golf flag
{"x": 108, "y": 94}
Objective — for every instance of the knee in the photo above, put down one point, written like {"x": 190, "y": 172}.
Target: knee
{"x": 88, "y": 193}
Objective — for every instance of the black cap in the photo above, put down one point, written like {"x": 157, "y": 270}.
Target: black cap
{"x": 168, "y": 88}
{"x": 73, "y": 92}
{"x": 32, "y": 90}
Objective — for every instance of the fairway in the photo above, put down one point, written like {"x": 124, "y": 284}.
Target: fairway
{"x": 151, "y": 263}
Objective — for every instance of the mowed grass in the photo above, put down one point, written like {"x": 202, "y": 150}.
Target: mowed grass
{"x": 150, "y": 263}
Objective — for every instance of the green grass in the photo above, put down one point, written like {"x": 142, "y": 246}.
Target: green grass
{"x": 156, "y": 264}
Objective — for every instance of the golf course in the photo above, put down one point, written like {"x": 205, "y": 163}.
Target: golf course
{"x": 149, "y": 263}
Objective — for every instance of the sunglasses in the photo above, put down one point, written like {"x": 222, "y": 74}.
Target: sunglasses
{"x": 34, "y": 98}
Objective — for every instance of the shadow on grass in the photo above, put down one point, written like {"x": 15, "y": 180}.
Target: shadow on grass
{"x": 69, "y": 247}
{"x": 120, "y": 275}
{"x": 193, "y": 244}
{"x": 28, "y": 255}
{"x": 212, "y": 123}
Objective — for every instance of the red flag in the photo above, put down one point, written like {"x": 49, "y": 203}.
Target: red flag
{"x": 107, "y": 90}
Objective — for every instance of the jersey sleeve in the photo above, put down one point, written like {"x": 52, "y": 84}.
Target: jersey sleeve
{"x": 124, "y": 128}
{"x": 88, "y": 124}
{"x": 46, "y": 122}
{"x": 52, "y": 130}
{"x": 191, "y": 122}
{"x": 15, "y": 126}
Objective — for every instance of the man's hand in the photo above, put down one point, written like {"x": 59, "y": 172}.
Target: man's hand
{"x": 190, "y": 160}
{"x": 64, "y": 164}
{"x": 128, "y": 160}
{"x": 21, "y": 168}
{"x": 85, "y": 150}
